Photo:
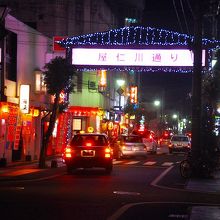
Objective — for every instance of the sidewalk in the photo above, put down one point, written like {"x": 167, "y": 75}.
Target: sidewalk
{"x": 205, "y": 186}
{"x": 28, "y": 170}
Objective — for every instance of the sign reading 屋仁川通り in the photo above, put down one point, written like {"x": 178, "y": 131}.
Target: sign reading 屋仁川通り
{"x": 135, "y": 57}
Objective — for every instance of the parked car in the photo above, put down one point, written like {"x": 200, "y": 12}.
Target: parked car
{"x": 128, "y": 146}
{"x": 88, "y": 150}
{"x": 179, "y": 143}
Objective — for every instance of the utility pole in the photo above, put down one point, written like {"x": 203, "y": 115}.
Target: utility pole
{"x": 196, "y": 82}
{"x": 214, "y": 10}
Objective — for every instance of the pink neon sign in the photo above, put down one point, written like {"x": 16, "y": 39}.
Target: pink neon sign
{"x": 134, "y": 57}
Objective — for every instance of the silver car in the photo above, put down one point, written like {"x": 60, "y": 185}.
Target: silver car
{"x": 179, "y": 143}
{"x": 128, "y": 146}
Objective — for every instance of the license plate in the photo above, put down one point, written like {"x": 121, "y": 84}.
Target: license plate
{"x": 87, "y": 153}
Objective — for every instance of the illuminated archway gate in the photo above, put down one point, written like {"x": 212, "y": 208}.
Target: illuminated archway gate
{"x": 142, "y": 49}
{"x": 136, "y": 48}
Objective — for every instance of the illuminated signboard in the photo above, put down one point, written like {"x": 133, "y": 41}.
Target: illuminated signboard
{"x": 103, "y": 79}
{"x": 134, "y": 57}
{"x": 133, "y": 94}
{"x": 24, "y": 98}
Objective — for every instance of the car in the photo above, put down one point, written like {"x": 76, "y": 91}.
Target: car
{"x": 149, "y": 139}
{"x": 179, "y": 143}
{"x": 164, "y": 141}
{"x": 151, "y": 144}
{"x": 129, "y": 146}
{"x": 88, "y": 150}
{"x": 165, "y": 138}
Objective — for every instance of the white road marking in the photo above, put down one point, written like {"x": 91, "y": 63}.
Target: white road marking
{"x": 132, "y": 162}
{"x": 178, "y": 216}
{"x": 117, "y": 162}
{"x": 157, "y": 180}
{"x": 167, "y": 164}
{"x": 126, "y": 193}
{"x": 149, "y": 163}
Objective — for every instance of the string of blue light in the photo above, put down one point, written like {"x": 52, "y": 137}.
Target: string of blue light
{"x": 136, "y": 36}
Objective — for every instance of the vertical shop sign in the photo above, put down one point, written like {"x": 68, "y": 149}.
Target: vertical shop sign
{"x": 63, "y": 130}
{"x": 24, "y": 98}
{"x": 12, "y": 123}
{"x": 18, "y": 132}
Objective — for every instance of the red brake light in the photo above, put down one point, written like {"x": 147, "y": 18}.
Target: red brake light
{"x": 67, "y": 152}
{"x": 88, "y": 144}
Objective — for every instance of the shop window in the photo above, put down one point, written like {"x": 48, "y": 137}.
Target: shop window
{"x": 77, "y": 124}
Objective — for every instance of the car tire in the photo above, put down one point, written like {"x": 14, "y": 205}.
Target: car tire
{"x": 108, "y": 169}
{"x": 69, "y": 170}
{"x": 120, "y": 155}
{"x": 154, "y": 152}
{"x": 170, "y": 150}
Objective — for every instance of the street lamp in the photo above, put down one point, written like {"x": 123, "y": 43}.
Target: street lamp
{"x": 176, "y": 118}
{"x": 157, "y": 103}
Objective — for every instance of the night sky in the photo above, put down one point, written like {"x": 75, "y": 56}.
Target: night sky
{"x": 173, "y": 87}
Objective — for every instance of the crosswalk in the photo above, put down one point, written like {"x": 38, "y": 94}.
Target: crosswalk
{"x": 145, "y": 163}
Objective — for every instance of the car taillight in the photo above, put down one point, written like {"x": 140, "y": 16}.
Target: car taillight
{"x": 67, "y": 152}
{"x": 108, "y": 152}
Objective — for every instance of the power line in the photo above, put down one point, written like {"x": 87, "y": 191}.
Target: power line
{"x": 177, "y": 15}
{"x": 190, "y": 8}
{"x": 184, "y": 16}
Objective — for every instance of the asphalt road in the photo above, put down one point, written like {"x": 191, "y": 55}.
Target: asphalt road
{"x": 134, "y": 190}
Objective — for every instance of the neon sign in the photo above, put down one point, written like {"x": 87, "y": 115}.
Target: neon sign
{"x": 134, "y": 57}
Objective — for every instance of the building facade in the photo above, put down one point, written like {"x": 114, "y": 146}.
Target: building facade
{"x": 26, "y": 51}
{"x": 24, "y": 54}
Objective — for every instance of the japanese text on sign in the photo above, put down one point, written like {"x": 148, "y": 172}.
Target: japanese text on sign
{"x": 134, "y": 57}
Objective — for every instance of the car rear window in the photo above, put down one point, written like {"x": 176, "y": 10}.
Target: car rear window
{"x": 95, "y": 140}
{"x": 132, "y": 139}
{"x": 179, "y": 138}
